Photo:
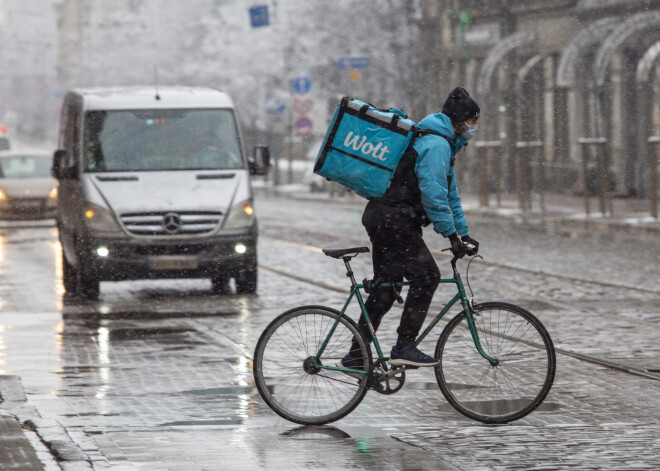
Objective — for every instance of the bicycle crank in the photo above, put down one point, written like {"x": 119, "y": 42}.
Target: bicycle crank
{"x": 390, "y": 381}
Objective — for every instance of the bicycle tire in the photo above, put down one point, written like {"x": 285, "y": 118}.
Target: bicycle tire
{"x": 514, "y": 387}
{"x": 288, "y": 387}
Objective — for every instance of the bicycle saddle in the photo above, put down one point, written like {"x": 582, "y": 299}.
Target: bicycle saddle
{"x": 338, "y": 253}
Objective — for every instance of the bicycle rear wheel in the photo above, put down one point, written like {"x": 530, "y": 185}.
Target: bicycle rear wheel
{"x": 520, "y": 380}
{"x": 285, "y": 374}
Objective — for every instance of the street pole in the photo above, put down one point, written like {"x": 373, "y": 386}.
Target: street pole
{"x": 488, "y": 151}
{"x": 585, "y": 177}
{"x": 602, "y": 157}
{"x": 653, "y": 174}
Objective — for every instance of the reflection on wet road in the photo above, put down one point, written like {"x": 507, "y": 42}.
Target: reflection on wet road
{"x": 158, "y": 374}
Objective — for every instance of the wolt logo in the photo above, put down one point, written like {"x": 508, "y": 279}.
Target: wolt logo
{"x": 377, "y": 152}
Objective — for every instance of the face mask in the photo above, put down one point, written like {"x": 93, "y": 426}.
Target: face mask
{"x": 471, "y": 131}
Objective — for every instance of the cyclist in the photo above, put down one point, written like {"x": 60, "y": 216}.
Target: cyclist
{"x": 423, "y": 190}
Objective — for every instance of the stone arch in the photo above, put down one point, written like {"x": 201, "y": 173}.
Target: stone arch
{"x": 495, "y": 57}
{"x": 644, "y": 74}
{"x": 646, "y": 65}
{"x": 573, "y": 112}
{"x": 497, "y": 54}
{"x": 626, "y": 142}
{"x": 627, "y": 29}
{"x": 527, "y": 129}
{"x": 592, "y": 34}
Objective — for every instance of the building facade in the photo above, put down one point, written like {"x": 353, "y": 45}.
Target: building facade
{"x": 28, "y": 82}
{"x": 569, "y": 87}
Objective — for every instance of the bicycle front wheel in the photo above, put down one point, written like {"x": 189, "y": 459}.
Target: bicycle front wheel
{"x": 286, "y": 365}
{"x": 518, "y": 382}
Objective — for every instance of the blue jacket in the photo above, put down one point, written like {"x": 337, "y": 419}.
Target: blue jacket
{"x": 437, "y": 179}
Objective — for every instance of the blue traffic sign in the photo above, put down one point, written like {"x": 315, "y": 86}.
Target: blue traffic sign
{"x": 259, "y": 16}
{"x": 275, "y": 106}
{"x": 302, "y": 85}
{"x": 303, "y": 125}
{"x": 354, "y": 62}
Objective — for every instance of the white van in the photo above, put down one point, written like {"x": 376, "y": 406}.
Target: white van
{"x": 154, "y": 184}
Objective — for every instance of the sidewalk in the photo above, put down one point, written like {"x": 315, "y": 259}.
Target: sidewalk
{"x": 48, "y": 446}
{"x": 16, "y": 451}
{"x": 632, "y": 215}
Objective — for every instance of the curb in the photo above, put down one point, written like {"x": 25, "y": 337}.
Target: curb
{"x": 52, "y": 434}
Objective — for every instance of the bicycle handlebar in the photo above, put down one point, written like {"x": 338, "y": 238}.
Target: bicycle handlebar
{"x": 455, "y": 259}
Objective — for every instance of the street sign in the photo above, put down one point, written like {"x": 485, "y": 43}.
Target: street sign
{"x": 259, "y": 16}
{"x": 302, "y": 85}
{"x": 275, "y": 106}
{"x": 302, "y": 106}
{"x": 303, "y": 125}
{"x": 354, "y": 62}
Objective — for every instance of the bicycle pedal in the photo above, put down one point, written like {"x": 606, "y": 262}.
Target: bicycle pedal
{"x": 377, "y": 386}
{"x": 402, "y": 367}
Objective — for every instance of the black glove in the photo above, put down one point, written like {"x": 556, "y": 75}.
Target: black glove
{"x": 467, "y": 240}
{"x": 457, "y": 247}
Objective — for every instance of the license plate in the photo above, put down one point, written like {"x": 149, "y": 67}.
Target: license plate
{"x": 27, "y": 204}
{"x": 173, "y": 263}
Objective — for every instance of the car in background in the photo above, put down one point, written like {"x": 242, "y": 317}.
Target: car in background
{"x": 27, "y": 190}
{"x": 4, "y": 143}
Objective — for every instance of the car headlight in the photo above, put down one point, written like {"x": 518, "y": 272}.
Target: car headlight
{"x": 53, "y": 193}
{"x": 99, "y": 219}
{"x": 3, "y": 197}
{"x": 240, "y": 215}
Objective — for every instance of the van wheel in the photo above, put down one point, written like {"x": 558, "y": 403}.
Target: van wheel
{"x": 88, "y": 281}
{"x": 69, "y": 277}
{"x": 89, "y": 288}
{"x": 246, "y": 281}
{"x": 219, "y": 284}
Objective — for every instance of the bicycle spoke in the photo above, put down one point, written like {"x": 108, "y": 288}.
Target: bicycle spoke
{"x": 287, "y": 366}
{"x": 512, "y": 387}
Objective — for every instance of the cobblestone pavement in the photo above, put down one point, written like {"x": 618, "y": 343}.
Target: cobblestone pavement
{"x": 158, "y": 374}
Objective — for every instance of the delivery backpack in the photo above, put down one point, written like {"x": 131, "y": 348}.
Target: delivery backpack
{"x": 363, "y": 146}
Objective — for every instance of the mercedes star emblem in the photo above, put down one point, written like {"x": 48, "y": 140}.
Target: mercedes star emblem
{"x": 172, "y": 223}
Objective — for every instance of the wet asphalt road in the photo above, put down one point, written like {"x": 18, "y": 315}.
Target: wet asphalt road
{"x": 157, "y": 374}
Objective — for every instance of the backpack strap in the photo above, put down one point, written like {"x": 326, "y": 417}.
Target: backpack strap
{"x": 422, "y": 132}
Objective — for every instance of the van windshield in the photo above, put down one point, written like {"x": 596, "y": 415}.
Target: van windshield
{"x": 170, "y": 139}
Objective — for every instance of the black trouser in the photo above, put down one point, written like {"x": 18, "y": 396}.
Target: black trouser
{"x": 400, "y": 253}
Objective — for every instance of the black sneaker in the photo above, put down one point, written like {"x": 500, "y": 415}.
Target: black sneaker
{"x": 410, "y": 355}
{"x": 354, "y": 361}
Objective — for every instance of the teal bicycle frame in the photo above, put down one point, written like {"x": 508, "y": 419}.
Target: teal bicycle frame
{"x": 356, "y": 292}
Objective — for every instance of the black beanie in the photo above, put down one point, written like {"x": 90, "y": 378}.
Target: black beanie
{"x": 460, "y": 106}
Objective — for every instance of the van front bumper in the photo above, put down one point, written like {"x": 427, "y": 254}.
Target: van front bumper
{"x": 208, "y": 257}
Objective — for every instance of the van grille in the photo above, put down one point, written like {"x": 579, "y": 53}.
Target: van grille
{"x": 171, "y": 223}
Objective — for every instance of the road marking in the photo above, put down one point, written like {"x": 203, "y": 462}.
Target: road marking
{"x": 300, "y": 246}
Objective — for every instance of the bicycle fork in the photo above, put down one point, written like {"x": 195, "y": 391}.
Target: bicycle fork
{"x": 467, "y": 309}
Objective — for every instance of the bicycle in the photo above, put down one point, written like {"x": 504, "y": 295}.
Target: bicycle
{"x": 497, "y": 360}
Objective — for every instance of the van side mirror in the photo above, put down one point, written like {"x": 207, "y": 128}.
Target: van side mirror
{"x": 58, "y": 157}
{"x": 260, "y": 162}
{"x": 58, "y": 171}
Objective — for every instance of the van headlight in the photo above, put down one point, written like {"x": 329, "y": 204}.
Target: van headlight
{"x": 99, "y": 219}
{"x": 240, "y": 215}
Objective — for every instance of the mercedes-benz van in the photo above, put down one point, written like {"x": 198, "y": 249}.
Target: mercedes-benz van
{"x": 154, "y": 184}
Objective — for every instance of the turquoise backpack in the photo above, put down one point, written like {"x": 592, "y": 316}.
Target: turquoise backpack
{"x": 363, "y": 146}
